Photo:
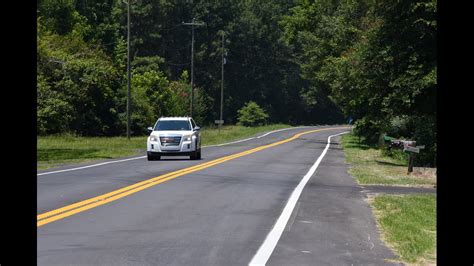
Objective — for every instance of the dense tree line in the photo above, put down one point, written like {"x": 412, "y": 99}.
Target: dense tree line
{"x": 303, "y": 62}
{"x": 376, "y": 60}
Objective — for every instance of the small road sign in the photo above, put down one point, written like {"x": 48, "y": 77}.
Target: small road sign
{"x": 219, "y": 121}
{"x": 411, "y": 149}
{"x": 408, "y": 143}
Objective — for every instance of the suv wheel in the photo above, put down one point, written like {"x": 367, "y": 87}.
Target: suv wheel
{"x": 153, "y": 158}
{"x": 196, "y": 155}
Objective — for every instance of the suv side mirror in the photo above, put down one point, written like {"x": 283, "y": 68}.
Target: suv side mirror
{"x": 197, "y": 128}
{"x": 149, "y": 129}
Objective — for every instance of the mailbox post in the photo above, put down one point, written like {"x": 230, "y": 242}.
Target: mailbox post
{"x": 412, "y": 151}
{"x": 219, "y": 124}
{"x": 408, "y": 146}
{"x": 411, "y": 157}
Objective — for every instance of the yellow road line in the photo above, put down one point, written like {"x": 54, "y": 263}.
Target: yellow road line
{"x": 84, "y": 205}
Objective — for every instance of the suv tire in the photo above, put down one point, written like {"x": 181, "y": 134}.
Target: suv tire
{"x": 196, "y": 155}
{"x": 153, "y": 158}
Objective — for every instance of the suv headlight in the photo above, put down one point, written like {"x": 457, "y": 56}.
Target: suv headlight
{"x": 153, "y": 138}
{"x": 187, "y": 137}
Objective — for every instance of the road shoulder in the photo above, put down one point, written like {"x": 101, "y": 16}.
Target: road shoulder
{"x": 332, "y": 222}
{"x": 404, "y": 204}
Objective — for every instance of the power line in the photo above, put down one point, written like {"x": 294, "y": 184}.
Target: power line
{"x": 175, "y": 64}
{"x": 174, "y": 27}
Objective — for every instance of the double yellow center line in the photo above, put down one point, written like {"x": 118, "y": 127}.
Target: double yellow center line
{"x": 84, "y": 205}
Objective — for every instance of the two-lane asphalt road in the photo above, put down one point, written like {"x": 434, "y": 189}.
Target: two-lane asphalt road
{"x": 217, "y": 211}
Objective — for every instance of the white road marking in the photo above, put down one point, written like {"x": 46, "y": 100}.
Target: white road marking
{"x": 89, "y": 166}
{"x": 270, "y": 242}
{"x": 141, "y": 157}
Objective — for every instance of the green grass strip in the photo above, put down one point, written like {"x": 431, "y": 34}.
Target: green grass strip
{"x": 409, "y": 225}
{"x": 370, "y": 166}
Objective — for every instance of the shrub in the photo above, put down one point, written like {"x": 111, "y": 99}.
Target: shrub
{"x": 424, "y": 132}
{"x": 368, "y": 129}
{"x": 252, "y": 115}
{"x": 399, "y": 127}
{"x": 422, "y": 129}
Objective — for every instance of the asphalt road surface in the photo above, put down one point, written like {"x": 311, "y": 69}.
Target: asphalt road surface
{"x": 218, "y": 214}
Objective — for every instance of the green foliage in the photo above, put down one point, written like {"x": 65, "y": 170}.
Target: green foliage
{"x": 396, "y": 154}
{"x": 180, "y": 96}
{"x": 149, "y": 90}
{"x": 202, "y": 103}
{"x": 103, "y": 19}
{"x": 424, "y": 132}
{"x": 375, "y": 60}
{"x": 54, "y": 114}
{"x": 154, "y": 96}
{"x": 422, "y": 129}
{"x": 147, "y": 63}
{"x": 399, "y": 127}
{"x": 252, "y": 115}
{"x": 59, "y": 16}
{"x": 369, "y": 129}
{"x": 77, "y": 87}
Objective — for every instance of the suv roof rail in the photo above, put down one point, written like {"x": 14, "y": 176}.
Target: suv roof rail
{"x": 175, "y": 117}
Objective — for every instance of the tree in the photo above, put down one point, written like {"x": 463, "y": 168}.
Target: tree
{"x": 76, "y": 81}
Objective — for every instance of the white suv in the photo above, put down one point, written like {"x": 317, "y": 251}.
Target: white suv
{"x": 174, "y": 136}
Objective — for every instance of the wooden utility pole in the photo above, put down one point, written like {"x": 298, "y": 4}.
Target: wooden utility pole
{"x": 192, "y": 24}
{"x": 222, "y": 81}
{"x": 128, "y": 71}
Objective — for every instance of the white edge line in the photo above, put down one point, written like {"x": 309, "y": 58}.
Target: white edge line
{"x": 141, "y": 157}
{"x": 266, "y": 249}
{"x": 89, "y": 166}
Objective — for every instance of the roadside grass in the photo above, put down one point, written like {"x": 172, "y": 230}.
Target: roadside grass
{"x": 53, "y": 151}
{"x": 370, "y": 166}
{"x": 408, "y": 225}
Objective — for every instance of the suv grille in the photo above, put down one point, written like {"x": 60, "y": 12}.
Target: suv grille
{"x": 170, "y": 141}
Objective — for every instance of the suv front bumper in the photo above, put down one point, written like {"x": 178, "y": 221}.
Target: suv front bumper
{"x": 170, "y": 153}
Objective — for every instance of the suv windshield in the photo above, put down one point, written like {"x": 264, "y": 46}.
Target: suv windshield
{"x": 172, "y": 125}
